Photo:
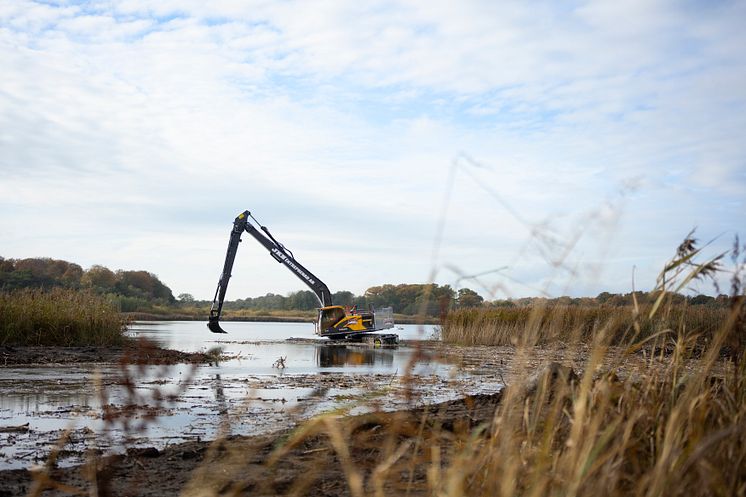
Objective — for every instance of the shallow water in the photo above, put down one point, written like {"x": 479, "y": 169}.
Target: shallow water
{"x": 243, "y": 395}
{"x": 192, "y": 336}
{"x": 258, "y": 345}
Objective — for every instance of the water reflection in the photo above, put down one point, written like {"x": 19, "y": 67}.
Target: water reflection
{"x": 330, "y": 356}
{"x": 245, "y": 386}
{"x": 191, "y": 336}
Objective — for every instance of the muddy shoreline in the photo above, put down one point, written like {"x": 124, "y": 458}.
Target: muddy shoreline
{"x": 134, "y": 351}
{"x": 246, "y": 416}
{"x": 256, "y": 465}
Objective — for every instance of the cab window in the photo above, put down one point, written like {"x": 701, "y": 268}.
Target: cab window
{"x": 330, "y": 317}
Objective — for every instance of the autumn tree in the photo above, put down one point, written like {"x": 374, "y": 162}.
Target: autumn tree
{"x": 468, "y": 298}
{"x": 99, "y": 277}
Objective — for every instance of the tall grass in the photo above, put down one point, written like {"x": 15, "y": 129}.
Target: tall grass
{"x": 660, "y": 427}
{"x": 623, "y": 423}
{"x": 649, "y": 424}
{"x": 58, "y": 317}
{"x": 547, "y": 324}
{"x": 653, "y": 424}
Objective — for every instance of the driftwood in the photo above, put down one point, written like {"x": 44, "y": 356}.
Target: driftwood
{"x": 14, "y": 429}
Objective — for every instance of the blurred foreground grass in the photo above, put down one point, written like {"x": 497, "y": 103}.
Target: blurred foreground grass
{"x": 645, "y": 401}
{"x": 636, "y": 418}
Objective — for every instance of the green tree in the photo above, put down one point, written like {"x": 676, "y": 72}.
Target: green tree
{"x": 269, "y": 301}
{"x": 304, "y": 300}
{"x": 702, "y": 300}
{"x": 468, "y": 298}
{"x": 343, "y": 298}
{"x": 603, "y": 297}
{"x": 185, "y": 298}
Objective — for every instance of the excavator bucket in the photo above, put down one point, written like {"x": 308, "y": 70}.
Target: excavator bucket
{"x": 214, "y": 325}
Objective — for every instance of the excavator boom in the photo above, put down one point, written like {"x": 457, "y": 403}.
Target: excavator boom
{"x": 276, "y": 250}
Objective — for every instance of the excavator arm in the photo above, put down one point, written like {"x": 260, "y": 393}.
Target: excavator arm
{"x": 276, "y": 250}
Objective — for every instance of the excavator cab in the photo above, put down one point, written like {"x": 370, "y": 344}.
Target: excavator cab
{"x": 336, "y": 322}
{"x": 328, "y": 317}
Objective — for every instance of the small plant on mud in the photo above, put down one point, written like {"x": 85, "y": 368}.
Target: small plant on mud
{"x": 280, "y": 363}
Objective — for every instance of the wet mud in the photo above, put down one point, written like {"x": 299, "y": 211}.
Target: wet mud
{"x": 138, "y": 351}
{"x": 233, "y": 428}
{"x": 73, "y": 409}
{"x": 271, "y": 464}
{"x": 144, "y": 420}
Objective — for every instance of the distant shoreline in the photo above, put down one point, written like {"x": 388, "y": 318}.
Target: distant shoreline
{"x": 145, "y": 316}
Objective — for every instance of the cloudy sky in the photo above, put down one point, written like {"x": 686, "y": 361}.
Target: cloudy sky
{"x": 551, "y": 145}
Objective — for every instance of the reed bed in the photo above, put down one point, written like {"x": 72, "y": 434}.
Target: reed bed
{"x": 60, "y": 317}
{"x": 662, "y": 425}
{"x": 652, "y": 406}
{"x": 649, "y": 407}
{"x": 548, "y": 324}
{"x": 618, "y": 423}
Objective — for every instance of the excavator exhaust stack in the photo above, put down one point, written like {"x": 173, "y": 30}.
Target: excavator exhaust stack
{"x": 214, "y": 325}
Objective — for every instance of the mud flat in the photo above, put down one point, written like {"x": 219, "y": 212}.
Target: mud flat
{"x": 74, "y": 409}
{"x": 148, "y": 427}
{"x": 69, "y": 404}
{"x": 234, "y": 429}
{"x": 267, "y": 464}
{"x": 136, "y": 351}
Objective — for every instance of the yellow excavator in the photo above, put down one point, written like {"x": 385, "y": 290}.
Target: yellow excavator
{"x": 333, "y": 321}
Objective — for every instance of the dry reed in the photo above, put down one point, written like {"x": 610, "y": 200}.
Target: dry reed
{"x": 641, "y": 418}
{"x": 58, "y": 317}
{"x": 548, "y": 324}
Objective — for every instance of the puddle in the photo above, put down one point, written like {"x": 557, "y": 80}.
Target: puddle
{"x": 243, "y": 395}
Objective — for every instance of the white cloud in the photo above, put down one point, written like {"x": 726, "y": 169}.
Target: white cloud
{"x": 138, "y": 124}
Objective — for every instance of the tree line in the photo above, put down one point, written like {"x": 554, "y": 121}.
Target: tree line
{"x": 435, "y": 300}
{"x": 140, "y": 290}
{"x": 131, "y": 290}
{"x": 615, "y": 300}
{"x": 428, "y": 299}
